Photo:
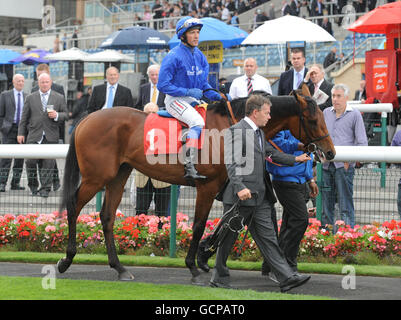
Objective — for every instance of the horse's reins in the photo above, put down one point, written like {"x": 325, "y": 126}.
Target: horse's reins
{"x": 230, "y": 110}
{"x": 228, "y": 104}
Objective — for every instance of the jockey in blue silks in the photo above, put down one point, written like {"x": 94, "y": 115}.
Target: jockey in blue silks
{"x": 183, "y": 78}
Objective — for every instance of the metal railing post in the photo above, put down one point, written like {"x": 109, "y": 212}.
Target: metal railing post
{"x": 383, "y": 143}
{"x": 99, "y": 201}
{"x": 173, "y": 220}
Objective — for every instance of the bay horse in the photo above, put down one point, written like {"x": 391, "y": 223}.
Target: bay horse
{"x": 108, "y": 144}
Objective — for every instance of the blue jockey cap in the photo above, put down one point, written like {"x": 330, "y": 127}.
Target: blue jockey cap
{"x": 187, "y": 23}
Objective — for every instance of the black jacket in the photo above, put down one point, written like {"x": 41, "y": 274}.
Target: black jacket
{"x": 122, "y": 98}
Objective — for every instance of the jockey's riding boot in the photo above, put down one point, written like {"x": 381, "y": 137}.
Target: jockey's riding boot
{"x": 190, "y": 171}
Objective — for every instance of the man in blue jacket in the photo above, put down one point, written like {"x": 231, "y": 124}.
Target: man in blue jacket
{"x": 183, "y": 79}
{"x": 291, "y": 186}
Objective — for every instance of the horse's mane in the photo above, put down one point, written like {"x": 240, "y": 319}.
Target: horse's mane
{"x": 282, "y": 106}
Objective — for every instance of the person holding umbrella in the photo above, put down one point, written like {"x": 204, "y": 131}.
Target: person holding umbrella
{"x": 183, "y": 79}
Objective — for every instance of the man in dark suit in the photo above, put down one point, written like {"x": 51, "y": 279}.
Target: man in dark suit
{"x": 44, "y": 68}
{"x": 290, "y": 80}
{"x": 330, "y": 58}
{"x": 326, "y": 25}
{"x": 148, "y": 92}
{"x": 11, "y": 106}
{"x": 39, "y": 125}
{"x": 110, "y": 94}
{"x": 317, "y": 84}
{"x": 317, "y": 8}
{"x": 249, "y": 183}
{"x": 360, "y": 94}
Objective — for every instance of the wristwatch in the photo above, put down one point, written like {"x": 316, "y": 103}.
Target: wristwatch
{"x": 311, "y": 181}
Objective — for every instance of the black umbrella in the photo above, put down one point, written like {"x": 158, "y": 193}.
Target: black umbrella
{"x": 136, "y": 37}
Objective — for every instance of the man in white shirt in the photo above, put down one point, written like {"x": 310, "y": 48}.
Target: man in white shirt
{"x": 243, "y": 86}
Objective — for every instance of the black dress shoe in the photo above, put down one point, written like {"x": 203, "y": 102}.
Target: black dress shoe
{"x": 215, "y": 284}
{"x": 56, "y": 186}
{"x": 294, "y": 281}
{"x": 2, "y": 188}
{"x": 17, "y": 187}
{"x": 34, "y": 192}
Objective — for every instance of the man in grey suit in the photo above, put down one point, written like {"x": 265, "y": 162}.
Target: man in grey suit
{"x": 245, "y": 150}
{"x": 44, "y": 68}
{"x": 11, "y": 106}
{"x": 39, "y": 125}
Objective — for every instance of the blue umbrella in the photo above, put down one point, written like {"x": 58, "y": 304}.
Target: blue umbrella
{"x": 6, "y": 55}
{"x": 214, "y": 29}
{"x": 32, "y": 57}
{"x": 135, "y": 37}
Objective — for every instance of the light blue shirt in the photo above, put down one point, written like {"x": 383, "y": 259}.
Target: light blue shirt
{"x": 107, "y": 93}
{"x": 295, "y": 81}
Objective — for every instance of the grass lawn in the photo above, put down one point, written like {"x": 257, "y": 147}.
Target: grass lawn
{"x": 26, "y": 288}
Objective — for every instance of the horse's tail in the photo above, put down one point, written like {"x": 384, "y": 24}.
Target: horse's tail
{"x": 71, "y": 178}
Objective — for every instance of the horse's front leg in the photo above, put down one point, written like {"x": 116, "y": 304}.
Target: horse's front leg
{"x": 204, "y": 201}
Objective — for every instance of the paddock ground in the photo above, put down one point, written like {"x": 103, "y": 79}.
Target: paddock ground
{"x": 365, "y": 288}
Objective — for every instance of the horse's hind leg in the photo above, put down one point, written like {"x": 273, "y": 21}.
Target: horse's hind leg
{"x": 83, "y": 195}
{"x": 204, "y": 201}
{"x": 114, "y": 191}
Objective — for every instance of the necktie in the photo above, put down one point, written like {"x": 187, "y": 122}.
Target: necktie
{"x": 18, "y": 108}
{"x": 299, "y": 79}
{"x": 250, "y": 88}
{"x": 259, "y": 135}
{"x": 154, "y": 94}
{"x": 110, "y": 98}
{"x": 44, "y": 102}
{"x": 316, "y": 87}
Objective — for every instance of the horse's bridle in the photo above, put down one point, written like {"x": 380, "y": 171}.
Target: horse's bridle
{"x": 310, "y": 145}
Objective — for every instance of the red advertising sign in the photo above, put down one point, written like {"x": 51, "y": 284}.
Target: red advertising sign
{"x": 380, "y": 74}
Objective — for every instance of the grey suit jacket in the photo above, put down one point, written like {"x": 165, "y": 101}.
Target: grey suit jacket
{"x": 35, "y": 121}
{"x": 7, "y": 110}
{"x": 245, "y": 163}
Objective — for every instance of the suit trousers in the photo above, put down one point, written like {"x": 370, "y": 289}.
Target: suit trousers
{"x": 5, "y": 164}
{"x": 262, "y": 230}
{"x": 46, "y": 171}
{"x": 293, "y": 197}
{"x": 144, "y": 197}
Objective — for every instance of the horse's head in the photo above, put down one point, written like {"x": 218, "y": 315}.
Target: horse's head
{"x": 311, "y": 129}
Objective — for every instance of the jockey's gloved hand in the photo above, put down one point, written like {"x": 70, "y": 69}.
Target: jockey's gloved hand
{"x": 195, "y": 93}
{"x": 213, "y": 95}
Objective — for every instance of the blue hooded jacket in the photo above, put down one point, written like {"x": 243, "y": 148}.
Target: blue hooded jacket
{"x": 300, "y": 172}
{"x": 184, "y": 68}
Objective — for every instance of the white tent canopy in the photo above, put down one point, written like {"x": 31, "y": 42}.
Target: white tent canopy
{"x": 287, "y": 29}
{"x": 73, "y": 54}
{"x": 109, "y": 56}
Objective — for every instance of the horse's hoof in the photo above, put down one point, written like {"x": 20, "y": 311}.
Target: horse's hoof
{"x": 197, "y": 281}
{"x": 203, "y": 266}
{"x": 125, "y": 276}
{"x": 63, "y": 265}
